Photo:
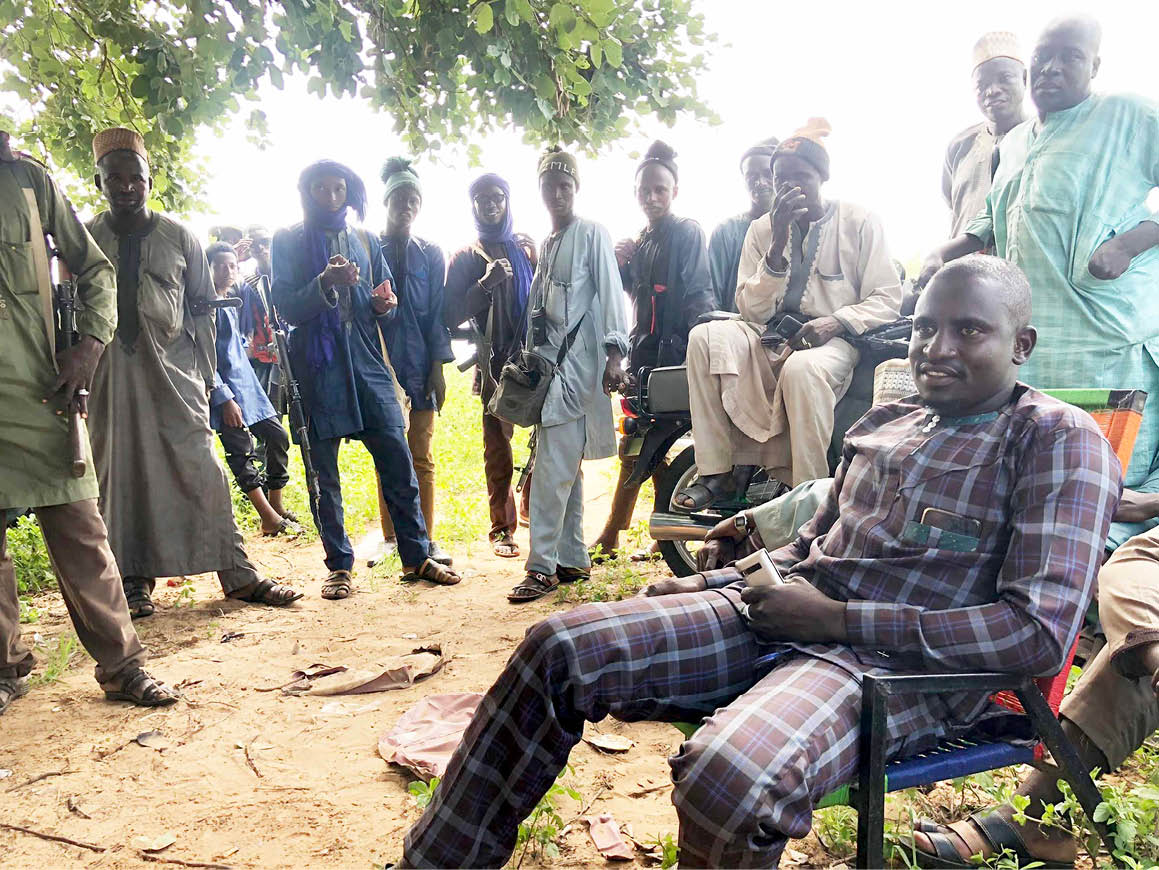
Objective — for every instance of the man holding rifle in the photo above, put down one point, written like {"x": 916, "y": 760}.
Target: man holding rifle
{"x": 164, "y": 495}
{"x": 39, "y": 391}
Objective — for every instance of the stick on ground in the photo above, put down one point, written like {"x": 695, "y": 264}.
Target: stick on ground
{"x": 52, "y": 837}
{"x": 160, "y": 859}
{"x": 39, "y": 778}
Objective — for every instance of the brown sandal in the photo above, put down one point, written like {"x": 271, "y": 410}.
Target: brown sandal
{"x": 535, "y": 585}
{"x": 270, "y": 593}
{"x": 434, "y": 572}
{"x": 572, "y": 575}
{"x": 505, "y": 547}
{"x": 337, "y": 586}
{"x": 137, "y": 687}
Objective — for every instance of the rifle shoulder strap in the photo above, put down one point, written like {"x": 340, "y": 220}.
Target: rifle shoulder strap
{"x": 39, "y": 257}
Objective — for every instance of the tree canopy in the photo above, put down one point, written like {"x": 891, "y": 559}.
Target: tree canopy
{"x": 580, "y": 72}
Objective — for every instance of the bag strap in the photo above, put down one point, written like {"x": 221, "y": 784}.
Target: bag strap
{"x": 567, "y": 342}
{"x": 39, "y": 256}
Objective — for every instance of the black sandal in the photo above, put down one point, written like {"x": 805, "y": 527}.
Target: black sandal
{"x": 270, "y": 593}
{"x": 137, "y": 687}
{"x": 337, "y": 586}
{"x": 998, "y": 832}
{"x": 10, "y": 690}
{"x": 434, "y": 572}
{"x": 535, "y": 585}
{"x": 572, "y": 575}
{"x": 137, "y": 597}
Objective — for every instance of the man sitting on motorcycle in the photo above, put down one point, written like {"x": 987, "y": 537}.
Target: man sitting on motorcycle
{"x": 763, "y": 389}
{"x": 962, "y": 532}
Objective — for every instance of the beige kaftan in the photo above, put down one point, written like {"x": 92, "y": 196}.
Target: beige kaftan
{"x": 774, "y": 408}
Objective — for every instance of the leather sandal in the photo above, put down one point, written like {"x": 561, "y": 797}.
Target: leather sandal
{"x": 10, "y": 690}
{"x": 137, "y": 597}
{"x": 270, "y": 593}
{"x": 337, "y": 586}
{"x": 434, "y": 572}
{"x": 1000, "y": 834}
{"x": 137, "y": 687}
{"x": 535, "y": 585}
{"x": 572, "y": 575}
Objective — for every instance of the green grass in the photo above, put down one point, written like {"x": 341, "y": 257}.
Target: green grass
{"x": 58, "y": 659}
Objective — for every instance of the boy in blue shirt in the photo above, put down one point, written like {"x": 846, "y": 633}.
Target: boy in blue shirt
{"x": 239, "y": 410}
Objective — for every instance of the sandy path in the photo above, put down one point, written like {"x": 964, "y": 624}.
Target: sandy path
{"x": 324, "y": 798}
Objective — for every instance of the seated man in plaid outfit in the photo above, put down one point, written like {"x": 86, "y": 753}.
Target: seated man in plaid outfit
{"x": 962, "y": 533}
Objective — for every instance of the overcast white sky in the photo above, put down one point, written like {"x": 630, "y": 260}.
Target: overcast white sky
{"x": 893, "y": 78}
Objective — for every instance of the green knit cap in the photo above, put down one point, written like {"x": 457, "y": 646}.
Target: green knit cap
{"x": 396, "y": 173}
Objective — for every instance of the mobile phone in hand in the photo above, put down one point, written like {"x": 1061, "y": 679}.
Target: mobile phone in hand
{"x": 788, "y": 327}
{"x": 759, "y": 570}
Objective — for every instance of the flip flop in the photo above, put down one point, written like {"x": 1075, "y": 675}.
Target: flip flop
{"x": 698, "y": 495}
{"x": 535, "y": 585}
{"x": 137, "y": 687}
{"x": 337, "y": 586}
{"x": 998, "y": 832}
{"x": 434, "y": 572}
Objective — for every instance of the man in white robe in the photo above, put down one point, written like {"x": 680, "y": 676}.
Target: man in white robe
{"x": 770, "y": 404}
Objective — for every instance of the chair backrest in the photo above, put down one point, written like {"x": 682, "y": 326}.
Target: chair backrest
{"x": 1118, "y": 414}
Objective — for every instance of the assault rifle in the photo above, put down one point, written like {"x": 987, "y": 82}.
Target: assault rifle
{"x": 65, "y": 307}
{"x": 298, "y": 429}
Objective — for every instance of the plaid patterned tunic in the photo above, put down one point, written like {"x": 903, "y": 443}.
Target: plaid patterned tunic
{"x": 1036, "y": 477}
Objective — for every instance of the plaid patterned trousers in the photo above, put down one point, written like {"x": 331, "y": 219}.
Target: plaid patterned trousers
{"x": 744, "y": 783}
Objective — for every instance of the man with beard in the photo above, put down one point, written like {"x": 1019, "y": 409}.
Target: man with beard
{"x": 488, "y": 282}
{"x": 970, "y": 486}
{"x": 727, "y": 240}
{"x": 165, "y": 498}
{"x": 41, "y": 386}
{"x": 1069, "y": 207}
{"x": 1000, "y": 88}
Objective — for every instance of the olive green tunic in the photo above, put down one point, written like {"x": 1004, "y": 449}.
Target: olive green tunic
{"x": 34, "y": 458}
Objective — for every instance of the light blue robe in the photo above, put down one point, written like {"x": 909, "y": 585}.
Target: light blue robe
{"x": 1063, "y": 187}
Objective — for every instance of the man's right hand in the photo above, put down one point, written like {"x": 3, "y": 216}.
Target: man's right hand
{"x": 720, "y": 545}
{"x": 497, "y": 272}
{"x": 1137, "y": 507}
{"x": 675, "y": 586}
{"x": 625, "y": 251}
{"x": 788, "y": 206}
{"x": 339, "y": 272}
{"x": 929, "y": 268}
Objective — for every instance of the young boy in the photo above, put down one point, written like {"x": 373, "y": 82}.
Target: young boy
{"x": 240, "y": 410}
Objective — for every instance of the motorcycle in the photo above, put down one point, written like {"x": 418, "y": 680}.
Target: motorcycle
{"x": 658, "y": 423}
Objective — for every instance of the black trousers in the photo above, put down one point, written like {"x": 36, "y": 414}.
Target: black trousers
{"x": 241, "y": 455}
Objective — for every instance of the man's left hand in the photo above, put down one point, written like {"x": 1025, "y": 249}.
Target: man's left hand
{"x": 437, "y": 384}
{"x": 816, "y": 333}
{"x": 1110, "y": 260}
{"x": 795, "y": 611}
{"x": 77, "y": 364}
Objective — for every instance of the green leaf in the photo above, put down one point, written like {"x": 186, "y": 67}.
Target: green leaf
{"x": 485, "y": 19}
{"x": 614, "y": 52}
{"x": 276, "y": 78}
{"x": 597, "y": 55}
{"x": 511, "y": 12}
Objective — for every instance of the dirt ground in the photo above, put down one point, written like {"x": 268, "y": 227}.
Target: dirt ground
{"x": 248, "y": 778}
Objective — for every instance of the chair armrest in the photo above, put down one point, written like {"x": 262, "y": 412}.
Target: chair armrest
{"x": 940, "y": 684}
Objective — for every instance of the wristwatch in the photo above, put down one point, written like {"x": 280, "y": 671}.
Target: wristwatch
{"x": 741, "y": 521}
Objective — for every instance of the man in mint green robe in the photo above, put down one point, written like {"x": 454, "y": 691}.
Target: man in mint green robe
{"x": 1068, "y": 206}
{"x": 727, "y": 240}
